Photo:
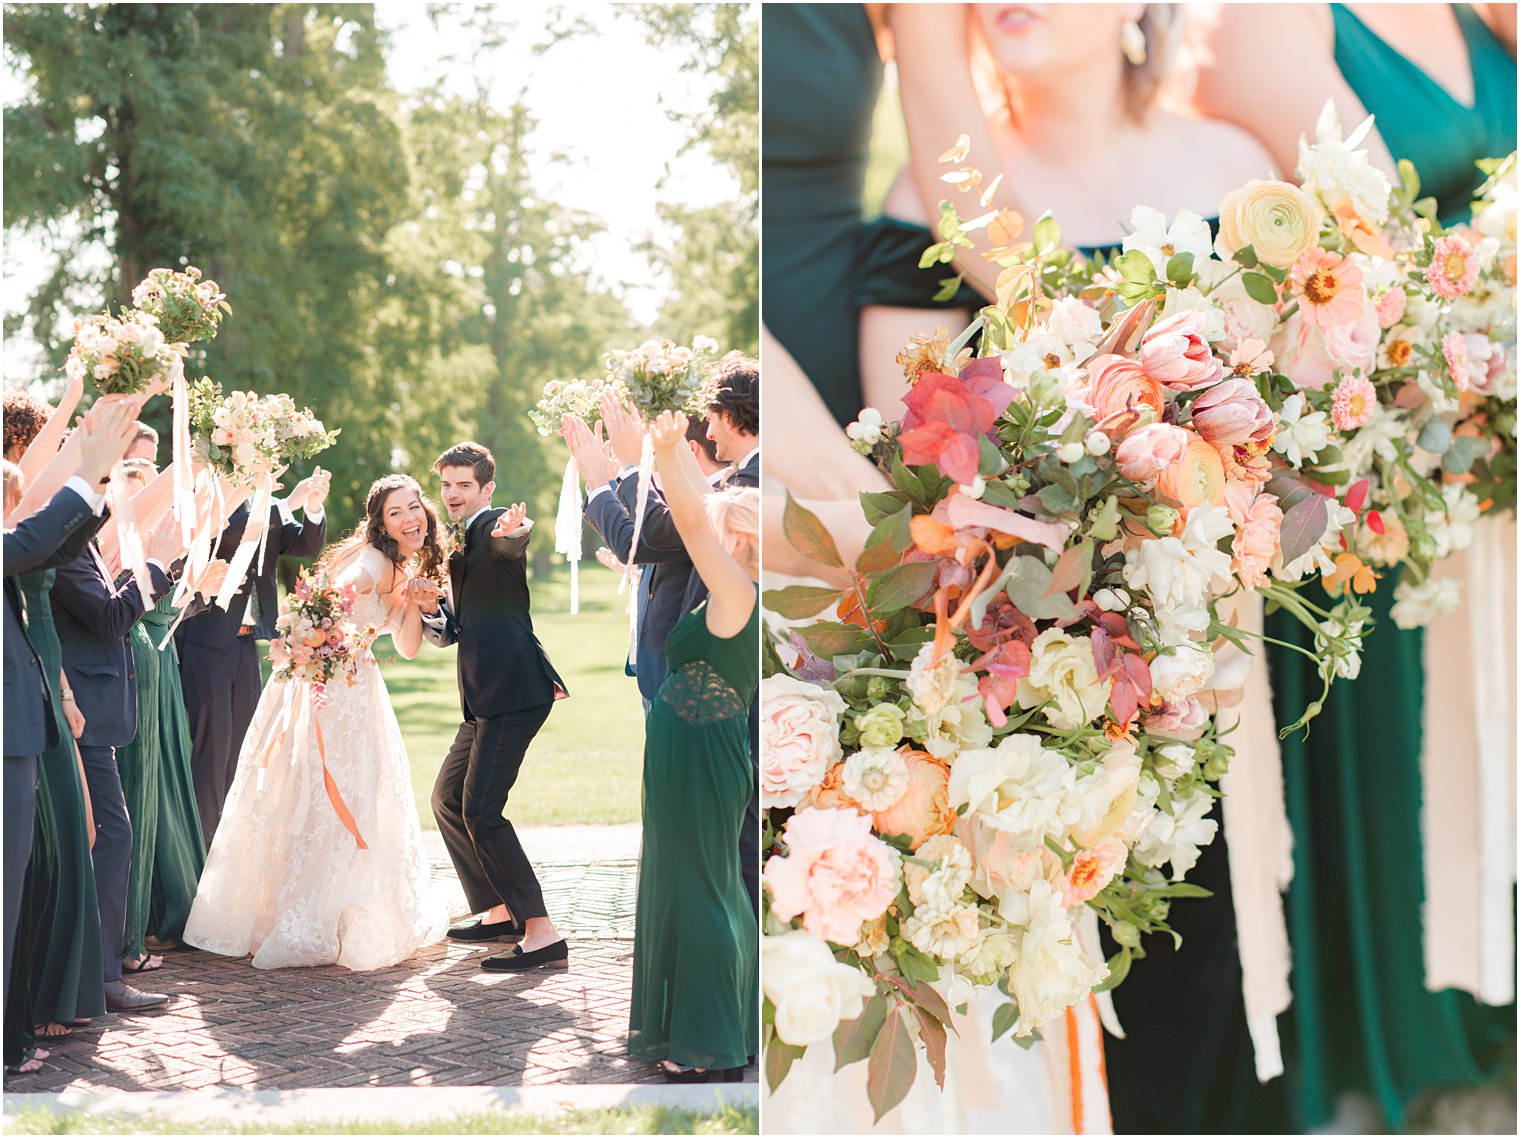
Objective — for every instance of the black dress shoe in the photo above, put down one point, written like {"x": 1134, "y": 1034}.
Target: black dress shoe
{"x": 480, "y": 931}
{"x": 685, "y": 1074}
{"x": 556, "y": 955}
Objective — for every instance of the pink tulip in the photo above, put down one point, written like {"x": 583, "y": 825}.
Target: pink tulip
{"x": 1232, "y": 412}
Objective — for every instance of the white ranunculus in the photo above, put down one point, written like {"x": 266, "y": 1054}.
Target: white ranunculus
{"x": 938, "y": 872}
{"x": 812, "y": 992}
{"x": 1019, "y": 787}
{"x": 1159, "y": 241}
{"x": 932, "y": 685}
{"x": 799, "y": 738}
{"x": 1177, "y": 836}
{"x": 1415, "y": 606}
{"x": 1190, "y": 299}
{"x": 1077, "y": 325}
{"x": 1105, "y": 795}
{"x": 1175, "y": 760}
{"x": 1300, "y": 436}
{"x": 1181, "y": 570}
{"x": 942, "y": 932}
{"x": 876, "y": 778}
{"x": 1064, "y": 676}
{"x": 1051, "y": 972}
{"x": 1184, "y": 669}
{"x": 1452, "y": 528}
{"x": 992, "y": 954}
{"x": 1337, "y": 170}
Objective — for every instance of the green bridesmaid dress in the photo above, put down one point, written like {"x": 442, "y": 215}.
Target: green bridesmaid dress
{"x": 66, "y": 971}
{"x": 179, "y": 852}
{"x": 695, "y": 994}
{"x": 1362, "y": 1018}
{"x": 140, "y": 763}
{"x": 822, "y": 75}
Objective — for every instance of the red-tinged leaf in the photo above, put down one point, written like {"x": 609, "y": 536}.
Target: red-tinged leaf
{"x": 1124, "y": 334}
{"x": 1105, "y": 656}
{"x": 1302, "y": 527}
{"x": 873, "y": 559}
{"x": 854, "y": 1038}
{"x": 1356, "y": 497}
{"x": 892, "y": 1066}
{"x": 900, "y": 587}
{"x": 1122, "y": 699}
{"x": 828, "y": 640}
{"x": 808, "y": 535}
{"x": 1073, "y": 570}
{"x": 923, "y": 995}
{"x": 932, "y": 1032}
{"x": 1375, "y": 522}
{"x": 1139, "y": 675}
{"x": 798, "y": 602}
{"x": 779, "y": 1058}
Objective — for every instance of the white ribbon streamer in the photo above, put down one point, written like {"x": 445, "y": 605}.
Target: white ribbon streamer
{"x": 567, "y": 530}
{"x": 129, "y": 543}
{"x": 646, "y": 472}
{"x": 184, "y": 476}
{"x": 255, "y": 536}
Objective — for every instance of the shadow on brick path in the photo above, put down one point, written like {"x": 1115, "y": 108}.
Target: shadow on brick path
{"x": 434, "y": 1020}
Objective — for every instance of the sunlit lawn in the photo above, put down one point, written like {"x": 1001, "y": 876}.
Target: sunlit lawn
{"x": 585, "y": 765}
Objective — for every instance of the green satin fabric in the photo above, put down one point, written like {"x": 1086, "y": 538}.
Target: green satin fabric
{"x": 179, "y": 852}
{"x": 1362, "y": 1019}
{"x": 139, "y": 763}
{"x": 66, "y": 971}
{"x": 822, "y": 75}
{"x": 695, "y": 995}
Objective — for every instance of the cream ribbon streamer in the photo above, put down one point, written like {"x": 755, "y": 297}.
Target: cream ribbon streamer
{"x": 567, "y": 529}
{"x": 1467, "y": 773}
{"x": 255, "y": 539}
{"x": 129, "y": 539}
{"x": 646, "y": 472}
{"x": 1259, "y": 834}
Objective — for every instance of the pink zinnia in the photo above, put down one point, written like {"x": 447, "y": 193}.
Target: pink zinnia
{"x": 1354, "y": 402}
{"x": 1328, "y": 287}
{"x": 1458, "y": 360}
{"x": 1390, "y": 307}
{"x": 1093, "y": 869}
{"x": 1453, "y": 268}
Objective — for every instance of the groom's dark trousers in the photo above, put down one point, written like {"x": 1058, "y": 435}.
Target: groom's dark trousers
{"x": 93, "y": 616}
{"x": 506, "y": 690}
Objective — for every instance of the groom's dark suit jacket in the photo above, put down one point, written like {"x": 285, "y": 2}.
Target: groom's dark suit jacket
{"x": 502, "y": 666}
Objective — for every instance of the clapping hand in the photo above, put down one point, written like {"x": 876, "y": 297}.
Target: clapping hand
{"x": 106, "y": 433}
{"x": 212, "y": 578}
{"x": 515, "y": 515}
{"x": 610, "y": 559}
{"x": 166, "y": 542}
{"x": 596, "y": 466}
{"x": 424, "y": 594}
{"x": 669, "y": 430}
{"x": 623, "y": 431}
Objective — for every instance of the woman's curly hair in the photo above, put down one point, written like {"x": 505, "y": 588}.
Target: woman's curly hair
{"x": 25, "y": 416}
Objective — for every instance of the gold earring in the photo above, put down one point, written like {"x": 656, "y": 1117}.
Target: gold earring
{"x": 1132, "y": 42}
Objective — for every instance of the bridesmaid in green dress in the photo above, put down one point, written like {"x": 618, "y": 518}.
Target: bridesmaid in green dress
{"x": 1441, "y": 84}
{"x": 180, "y": 851}
{"x": 694, "y": 1008}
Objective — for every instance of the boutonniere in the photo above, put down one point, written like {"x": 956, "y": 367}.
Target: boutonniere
{"x": 453, "y": 540}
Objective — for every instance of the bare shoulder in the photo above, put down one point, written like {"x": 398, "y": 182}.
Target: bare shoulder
{"x": 1235, "y": 154}
{"x": 1271, "y": 29}
{"x": 903, "y": 200}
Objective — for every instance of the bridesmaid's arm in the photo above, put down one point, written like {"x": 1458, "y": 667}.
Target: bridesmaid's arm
{"x": 45, "y": 445}
{"x": 1270, "y": 69}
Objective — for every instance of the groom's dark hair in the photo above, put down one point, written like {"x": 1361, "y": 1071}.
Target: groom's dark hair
{"x": 736, "y": 394}
{"x": 469, "y": 454}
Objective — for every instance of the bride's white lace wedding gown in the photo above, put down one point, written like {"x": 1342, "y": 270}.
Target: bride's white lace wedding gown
{"x": 284, "y": 879}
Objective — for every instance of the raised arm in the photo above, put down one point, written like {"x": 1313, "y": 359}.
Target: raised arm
{"x": 45, "y": 446}
{"x": 730, "y": 587}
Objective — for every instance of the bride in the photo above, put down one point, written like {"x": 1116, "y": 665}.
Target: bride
{"x": 286, "y": 879}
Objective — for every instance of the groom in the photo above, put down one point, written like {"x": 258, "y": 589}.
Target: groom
{"x": 507, "y": 687}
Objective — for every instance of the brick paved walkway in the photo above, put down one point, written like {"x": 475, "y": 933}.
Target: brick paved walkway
{"x": 435, "y": 1020}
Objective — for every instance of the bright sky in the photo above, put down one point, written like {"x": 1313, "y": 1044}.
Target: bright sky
{"x": 598, "y": 100}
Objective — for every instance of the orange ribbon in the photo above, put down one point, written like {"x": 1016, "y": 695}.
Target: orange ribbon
{"x": 280, "y": 731}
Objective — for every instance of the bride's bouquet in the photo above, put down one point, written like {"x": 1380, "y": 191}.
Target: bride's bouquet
{"x": 1004, "y": 730}
{"x": 318, "y": 641}
{"x": 186, "y": 307}
{"x": 661, "y": 375}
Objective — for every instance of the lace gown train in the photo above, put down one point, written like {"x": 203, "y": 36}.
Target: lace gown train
{"x": 284, "y": 879}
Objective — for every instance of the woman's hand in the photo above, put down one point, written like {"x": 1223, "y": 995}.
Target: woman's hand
{"x": 668, "y": 431}
{"x": 73, "y": 716}
{"x": 212, "y": 578}
{"x": 423, "y": 595}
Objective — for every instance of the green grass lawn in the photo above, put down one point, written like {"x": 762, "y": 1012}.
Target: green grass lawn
{"x": 585, "y": 765}
{"x": 616, "y": 1120}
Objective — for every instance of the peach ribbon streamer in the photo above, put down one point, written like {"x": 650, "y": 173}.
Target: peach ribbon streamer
{"x": 1074, "y": 1059}
{"x": 1260, "y": 836}
{"x": 1467, "y": 773}
{"x": 279, "y": 731}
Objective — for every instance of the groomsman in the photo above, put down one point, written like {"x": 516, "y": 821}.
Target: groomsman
{"x": 218, "y": 658}
{"x": 57, "y": 533}
{"x": 665, "y": 571}
{"x": 93, "y": 616}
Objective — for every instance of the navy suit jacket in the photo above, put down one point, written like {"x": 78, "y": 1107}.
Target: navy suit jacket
{"x": 217, "y": 626}
{"x": 93, "y": 617}
{"x": 56, "y": 533}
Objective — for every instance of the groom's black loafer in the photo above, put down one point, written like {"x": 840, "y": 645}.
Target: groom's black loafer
{"x": 556, "y": 955}
{"x": 480, "y": 931}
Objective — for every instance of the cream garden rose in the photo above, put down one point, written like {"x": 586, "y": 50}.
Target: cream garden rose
{"x": 1063, "y": 675}
{"x": 811, "y": 991}
{"x": 1278, "y": 220}
{"x": 799, "y": 738}
{"x": 1019, "y": 786}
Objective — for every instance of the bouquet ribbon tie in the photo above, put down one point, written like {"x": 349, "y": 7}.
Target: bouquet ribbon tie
{"x": 567, "y": 529}
{"x": 278, "y": 732}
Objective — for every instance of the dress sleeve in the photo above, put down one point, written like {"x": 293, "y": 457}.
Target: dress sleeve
{"x": 364, "y": 572}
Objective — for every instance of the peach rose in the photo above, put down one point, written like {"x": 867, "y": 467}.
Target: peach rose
{"x": 1185, "y": 720}
{"x": 799, "y": 738}
{"x": 1147, "y": 451}
{"x": 335, "y": 636}
{"x": 1116, "y": 384}
{"x": 1258, "y": 529}
{"x": 1232, "y": 412}
{"x": 1279, "y": 221}
{"x": 999, "y": 867}
{"x": 924, "y": 809}
{"x": 1386, "y": 548}
{"x": 1195, "y": 478}
{"x": 836, "y": 876}
{"x": 1175, "y": 354}
{"x": 1310, "y": 356}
